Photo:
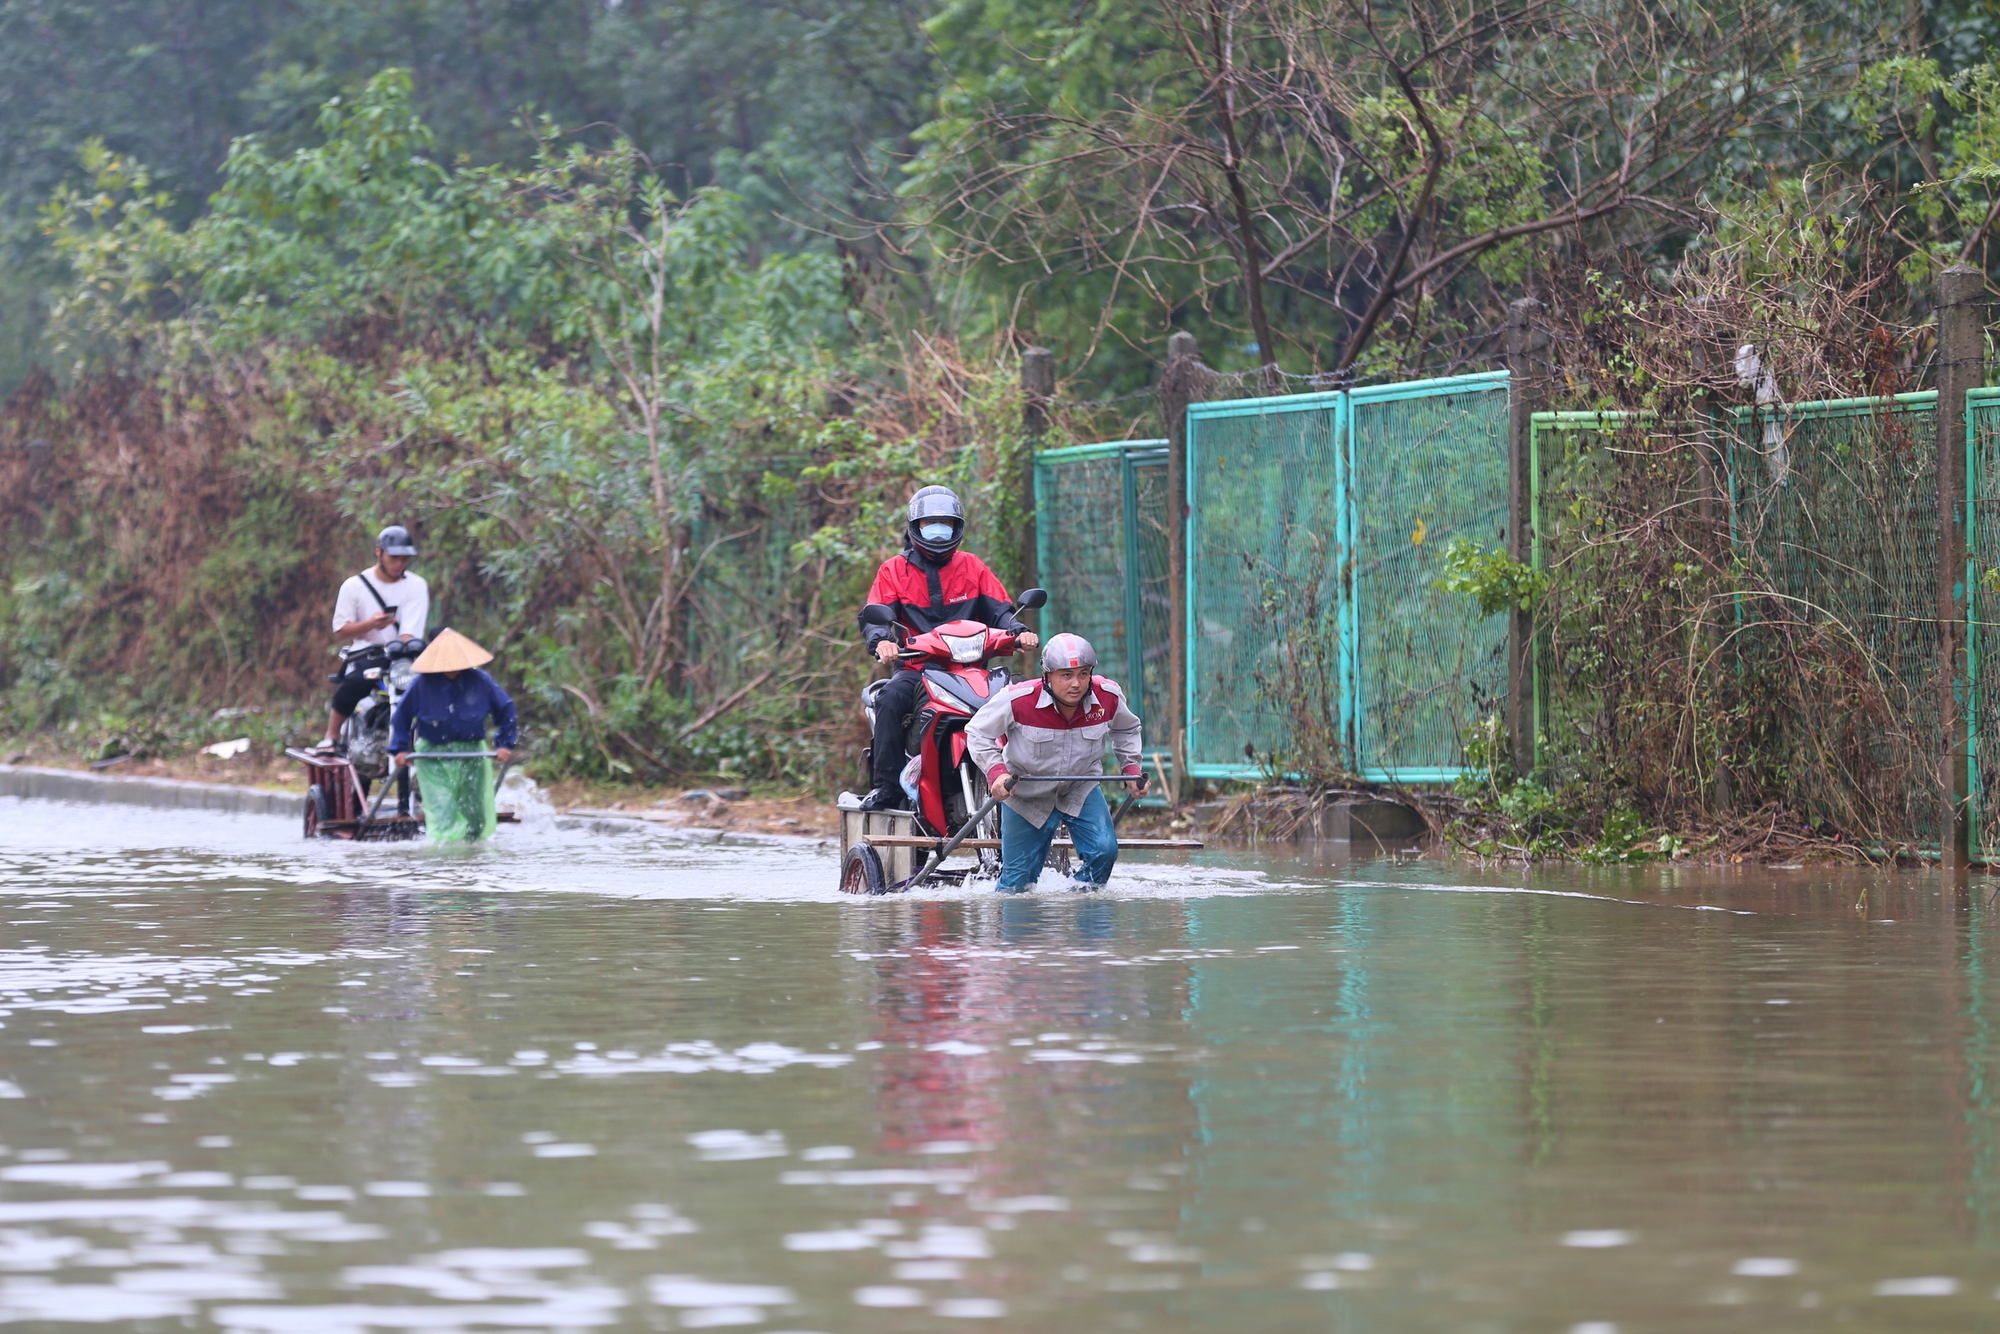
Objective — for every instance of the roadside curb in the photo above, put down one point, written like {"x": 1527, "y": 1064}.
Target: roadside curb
{"x": 158, "y": 793}
{"x": 181, "y": 794}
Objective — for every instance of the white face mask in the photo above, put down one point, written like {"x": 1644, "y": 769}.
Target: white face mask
{"x": 936, "y": 532}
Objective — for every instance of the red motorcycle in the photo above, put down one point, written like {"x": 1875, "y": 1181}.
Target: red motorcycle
{"x": 956, "y": 660}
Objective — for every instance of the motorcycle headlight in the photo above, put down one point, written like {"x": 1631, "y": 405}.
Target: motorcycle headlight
{"x": 966, "y": 648}
{"x": 400, "y": 673}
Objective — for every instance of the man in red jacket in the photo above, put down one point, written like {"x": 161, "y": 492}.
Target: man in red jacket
{"x": 930, "y": 583}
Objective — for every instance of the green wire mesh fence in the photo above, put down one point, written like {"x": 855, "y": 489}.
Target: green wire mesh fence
{"x": 1318, "y": 635}
{"x": 1149, "y": 589}
{"x": 1982, "y": 580}
{"x": 1835, "y": 507}
{"x": 1797, "y": 602}
{"x": 1574, "y": 466}
{"x": 1428, "y": 466}
{"x": 1318, "y": 630}
{"x": 1266, "y": 549}
{"x": 1101, "y": 545}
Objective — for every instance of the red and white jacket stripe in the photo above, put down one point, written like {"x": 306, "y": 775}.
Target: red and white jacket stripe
{"x": 1038, "y": 739}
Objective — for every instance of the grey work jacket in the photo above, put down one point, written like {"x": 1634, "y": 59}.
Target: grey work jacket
{"x": 1039, "y": 740}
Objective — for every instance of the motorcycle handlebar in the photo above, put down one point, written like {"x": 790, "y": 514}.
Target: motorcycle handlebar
{"x": 384, "y": 654}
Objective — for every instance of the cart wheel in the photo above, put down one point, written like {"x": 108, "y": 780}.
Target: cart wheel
{"x": 862, "y": 874}
{"x": 1057, "y": 861}
{"x": 315, "y": 810}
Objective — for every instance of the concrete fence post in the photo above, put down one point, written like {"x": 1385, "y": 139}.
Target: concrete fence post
{"x": 1527, "y": 356}
{"x": 1961, "y": 357}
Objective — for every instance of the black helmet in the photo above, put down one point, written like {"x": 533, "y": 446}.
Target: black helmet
{"x": 931, "y": 506}
{"x": 395, "y": 541}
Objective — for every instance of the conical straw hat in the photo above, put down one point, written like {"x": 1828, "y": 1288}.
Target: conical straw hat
{"x": 451, "y": 652}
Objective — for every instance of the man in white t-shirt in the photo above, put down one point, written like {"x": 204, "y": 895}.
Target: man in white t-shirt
{"x": 376, "y": 607}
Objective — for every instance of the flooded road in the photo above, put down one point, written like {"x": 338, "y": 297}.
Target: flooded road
{"x": 581, "y": 1080}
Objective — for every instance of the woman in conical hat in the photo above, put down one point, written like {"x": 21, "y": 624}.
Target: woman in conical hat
{"x": 446, "y": 709}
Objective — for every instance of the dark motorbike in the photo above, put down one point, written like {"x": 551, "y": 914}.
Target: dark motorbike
{"x": 337, "y": 804}
{"x": 364, "y": 738}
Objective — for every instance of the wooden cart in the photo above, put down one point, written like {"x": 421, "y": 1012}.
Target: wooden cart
{"x": 337, "y": 804}
{"x": 882, "y": 851}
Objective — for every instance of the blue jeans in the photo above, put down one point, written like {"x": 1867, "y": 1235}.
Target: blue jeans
{"x": 1024, "y": 848}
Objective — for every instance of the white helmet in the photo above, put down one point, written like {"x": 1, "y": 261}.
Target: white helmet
{"x": 1067, "y": 650}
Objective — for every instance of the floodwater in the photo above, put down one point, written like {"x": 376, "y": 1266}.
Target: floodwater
{"x": 581, "y": 1080}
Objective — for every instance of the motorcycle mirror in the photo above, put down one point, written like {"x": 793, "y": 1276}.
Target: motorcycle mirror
{"x": 1032, "y": 598}
{"x": 877, "y": 614}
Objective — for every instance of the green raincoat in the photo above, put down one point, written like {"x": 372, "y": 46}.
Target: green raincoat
{"x": 457, "y": 794}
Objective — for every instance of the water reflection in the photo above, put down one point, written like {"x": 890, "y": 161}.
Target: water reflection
{"x": 261, "y": 1088}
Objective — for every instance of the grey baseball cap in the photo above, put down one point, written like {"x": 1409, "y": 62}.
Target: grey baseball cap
{"x": 395, "y": 541}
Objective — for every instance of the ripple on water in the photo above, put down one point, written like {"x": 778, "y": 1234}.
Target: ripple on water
{"x": 945, "y": 1108}
{"x": 1932, "y": 1286}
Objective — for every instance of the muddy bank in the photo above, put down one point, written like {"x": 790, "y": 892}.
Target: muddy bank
{"x": 159, "y": 793}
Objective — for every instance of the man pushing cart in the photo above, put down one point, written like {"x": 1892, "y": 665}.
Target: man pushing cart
{"x": 1056, "y": 725}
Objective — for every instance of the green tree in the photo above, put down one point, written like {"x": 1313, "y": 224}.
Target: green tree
{"x": 1354, "y": 189}
{"x": 799, "y": 107}
{"x": 563, "y": 369}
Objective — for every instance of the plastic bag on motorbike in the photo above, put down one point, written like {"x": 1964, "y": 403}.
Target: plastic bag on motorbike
{"x": 458, "y": 794}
